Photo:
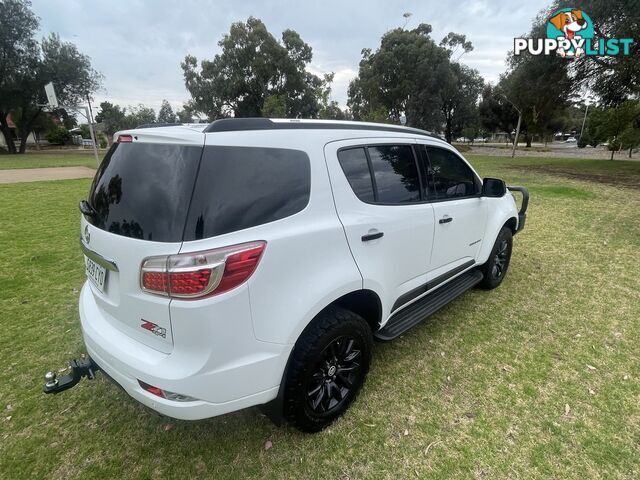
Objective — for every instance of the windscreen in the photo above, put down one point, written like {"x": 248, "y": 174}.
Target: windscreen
{"x": 142, "y": 190}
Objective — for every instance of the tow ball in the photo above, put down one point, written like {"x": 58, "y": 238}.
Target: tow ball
{"x": 83, "y": 367}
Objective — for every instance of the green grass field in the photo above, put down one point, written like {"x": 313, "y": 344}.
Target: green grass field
{"x": 66, "y": 158}
{"x": 537, "y": 379}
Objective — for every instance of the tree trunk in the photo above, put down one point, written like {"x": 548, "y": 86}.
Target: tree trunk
{"x": 528, "y": 139}
{"x": 25, "y": 129}
{"x": 630, "y": 151}
{"x": 23, "y": 143}
{"x": 612, "y": 152}
{"x": 6, "y": 132}
{"x": 447, "y": 131}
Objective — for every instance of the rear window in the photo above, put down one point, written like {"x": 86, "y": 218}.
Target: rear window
{"x": 142, "y": 190}
{"x": 242, "y": 187}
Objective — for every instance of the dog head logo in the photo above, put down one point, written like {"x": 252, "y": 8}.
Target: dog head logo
{"x": 570, "y": 34}
{"x": 570, "y": 26}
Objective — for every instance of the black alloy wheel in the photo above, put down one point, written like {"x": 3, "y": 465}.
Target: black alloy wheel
{"x": 335, "y": 375}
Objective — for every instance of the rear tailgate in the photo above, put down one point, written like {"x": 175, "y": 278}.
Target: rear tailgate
{"x": 140, "y": 197}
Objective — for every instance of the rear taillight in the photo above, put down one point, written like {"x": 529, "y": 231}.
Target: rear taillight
{"x": 201, "y": 274}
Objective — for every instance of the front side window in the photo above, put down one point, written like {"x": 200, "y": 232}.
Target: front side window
{"x": 452, "y": 177}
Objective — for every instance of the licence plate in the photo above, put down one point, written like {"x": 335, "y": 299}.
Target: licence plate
{"x": 95, "y": 273}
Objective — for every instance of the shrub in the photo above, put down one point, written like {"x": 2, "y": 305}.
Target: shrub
{"x": 58, "y": 136}
{"x": 583, "y": 141}
{"x": 102, "y": 140}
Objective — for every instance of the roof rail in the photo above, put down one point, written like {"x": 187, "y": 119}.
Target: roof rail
{"x": 157, "y": 125}
{"x": 243, "y": 124}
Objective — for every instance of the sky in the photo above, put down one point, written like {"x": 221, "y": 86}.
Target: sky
{"x": 138, "y": 45}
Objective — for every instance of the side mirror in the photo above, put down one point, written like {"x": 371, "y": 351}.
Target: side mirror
{"x": 493, "y": 187}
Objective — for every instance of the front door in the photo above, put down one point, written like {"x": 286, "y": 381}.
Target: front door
{"x": 459, "y": 211}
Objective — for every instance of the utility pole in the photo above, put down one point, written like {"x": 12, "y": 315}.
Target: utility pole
{"x": 91, "y": 132}
{"x": 583, "y": 122}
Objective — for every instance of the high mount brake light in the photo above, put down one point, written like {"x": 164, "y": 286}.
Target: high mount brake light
{"x": 125, "y": 139}
{"x": 201, "y": 274}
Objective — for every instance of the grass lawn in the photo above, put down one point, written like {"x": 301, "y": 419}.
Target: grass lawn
{"x": 537, "y": 379}
{"x": 66, "y": 158}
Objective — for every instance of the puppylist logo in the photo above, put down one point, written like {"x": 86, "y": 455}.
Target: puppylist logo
{"x": 570, "y": 34}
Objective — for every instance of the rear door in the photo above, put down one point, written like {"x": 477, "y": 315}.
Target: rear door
{"x": 459, "y": 210}
{"x": 380, "y": 199}
{"x": 140, "y": 196}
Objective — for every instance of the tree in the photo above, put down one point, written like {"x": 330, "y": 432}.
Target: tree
{"x": 459, "y": 99}
{"x": 140, "y": 115}
{"x": 411, "y": 75}
{"x": 613, "y": 78}
{"x": 186, "y": 115}
{"x": 26, "y": 66}
{"x": 18, "y": 55}
{"x": 254, "y": 68}
{"x": 402, "y": 77}
{"x": 538, "y": 86}
{"x": 495, "y": 113}
{"x": 165, "y": 114}
{"x": 112, "y": 118}
{"x": 618, "y": 126}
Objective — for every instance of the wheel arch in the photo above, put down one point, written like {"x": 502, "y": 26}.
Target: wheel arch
{"x": 363, "y": 302}
{"x": 504, "y": 218}
{"x": 512, "y": 224}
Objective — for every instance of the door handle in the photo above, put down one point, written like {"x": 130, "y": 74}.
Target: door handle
{"x": 372, "y": 236}
{"x": 446, "y": 219}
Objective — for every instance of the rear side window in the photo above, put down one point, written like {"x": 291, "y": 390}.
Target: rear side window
{"x": 142, "y": 190}
{"x": 395, "y": 179}
{"x": 356, "y": 168}
{"x": 452, "y": 177}
{"x": 395, "y": 173}
{"x": 242, "y": 187}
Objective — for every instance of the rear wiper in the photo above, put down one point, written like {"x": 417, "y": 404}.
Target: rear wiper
{"x": 87, "y": 209}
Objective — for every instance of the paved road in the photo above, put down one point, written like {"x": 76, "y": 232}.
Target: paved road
{"x": 38, "y": 174}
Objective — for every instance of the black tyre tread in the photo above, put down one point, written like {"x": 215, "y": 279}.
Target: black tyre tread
{"x": 329, "y": 320}
{"x": 487, "y": 282}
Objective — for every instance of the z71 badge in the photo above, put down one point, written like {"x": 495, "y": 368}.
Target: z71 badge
{"x": 152, "y": 327}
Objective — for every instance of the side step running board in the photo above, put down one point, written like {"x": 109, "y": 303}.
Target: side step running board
{"x": 416, "y": 312}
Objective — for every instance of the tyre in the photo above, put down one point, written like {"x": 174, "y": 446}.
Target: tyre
{"x": 495, "y": 269}
{"x": 327, "y": 369}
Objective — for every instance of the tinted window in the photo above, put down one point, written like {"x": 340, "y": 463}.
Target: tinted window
{"x": 241, "y": 187}
{"x": 395, "y": 172}
{"x": 356, "y": 168}
{"x": 142, "y": 190}
{"x": 452, "y": 177}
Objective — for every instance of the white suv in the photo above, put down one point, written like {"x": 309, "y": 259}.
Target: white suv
{"x": 253, "y": 261}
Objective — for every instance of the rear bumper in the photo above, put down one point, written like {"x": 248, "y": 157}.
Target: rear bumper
{"x": 221, "y": 385}
{"x": 195, "y": 410}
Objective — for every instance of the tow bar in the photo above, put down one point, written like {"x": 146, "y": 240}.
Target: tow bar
{"x": 83, "y": 367}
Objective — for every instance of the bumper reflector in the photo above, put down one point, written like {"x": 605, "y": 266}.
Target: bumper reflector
{"x": 158, "y": 392}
